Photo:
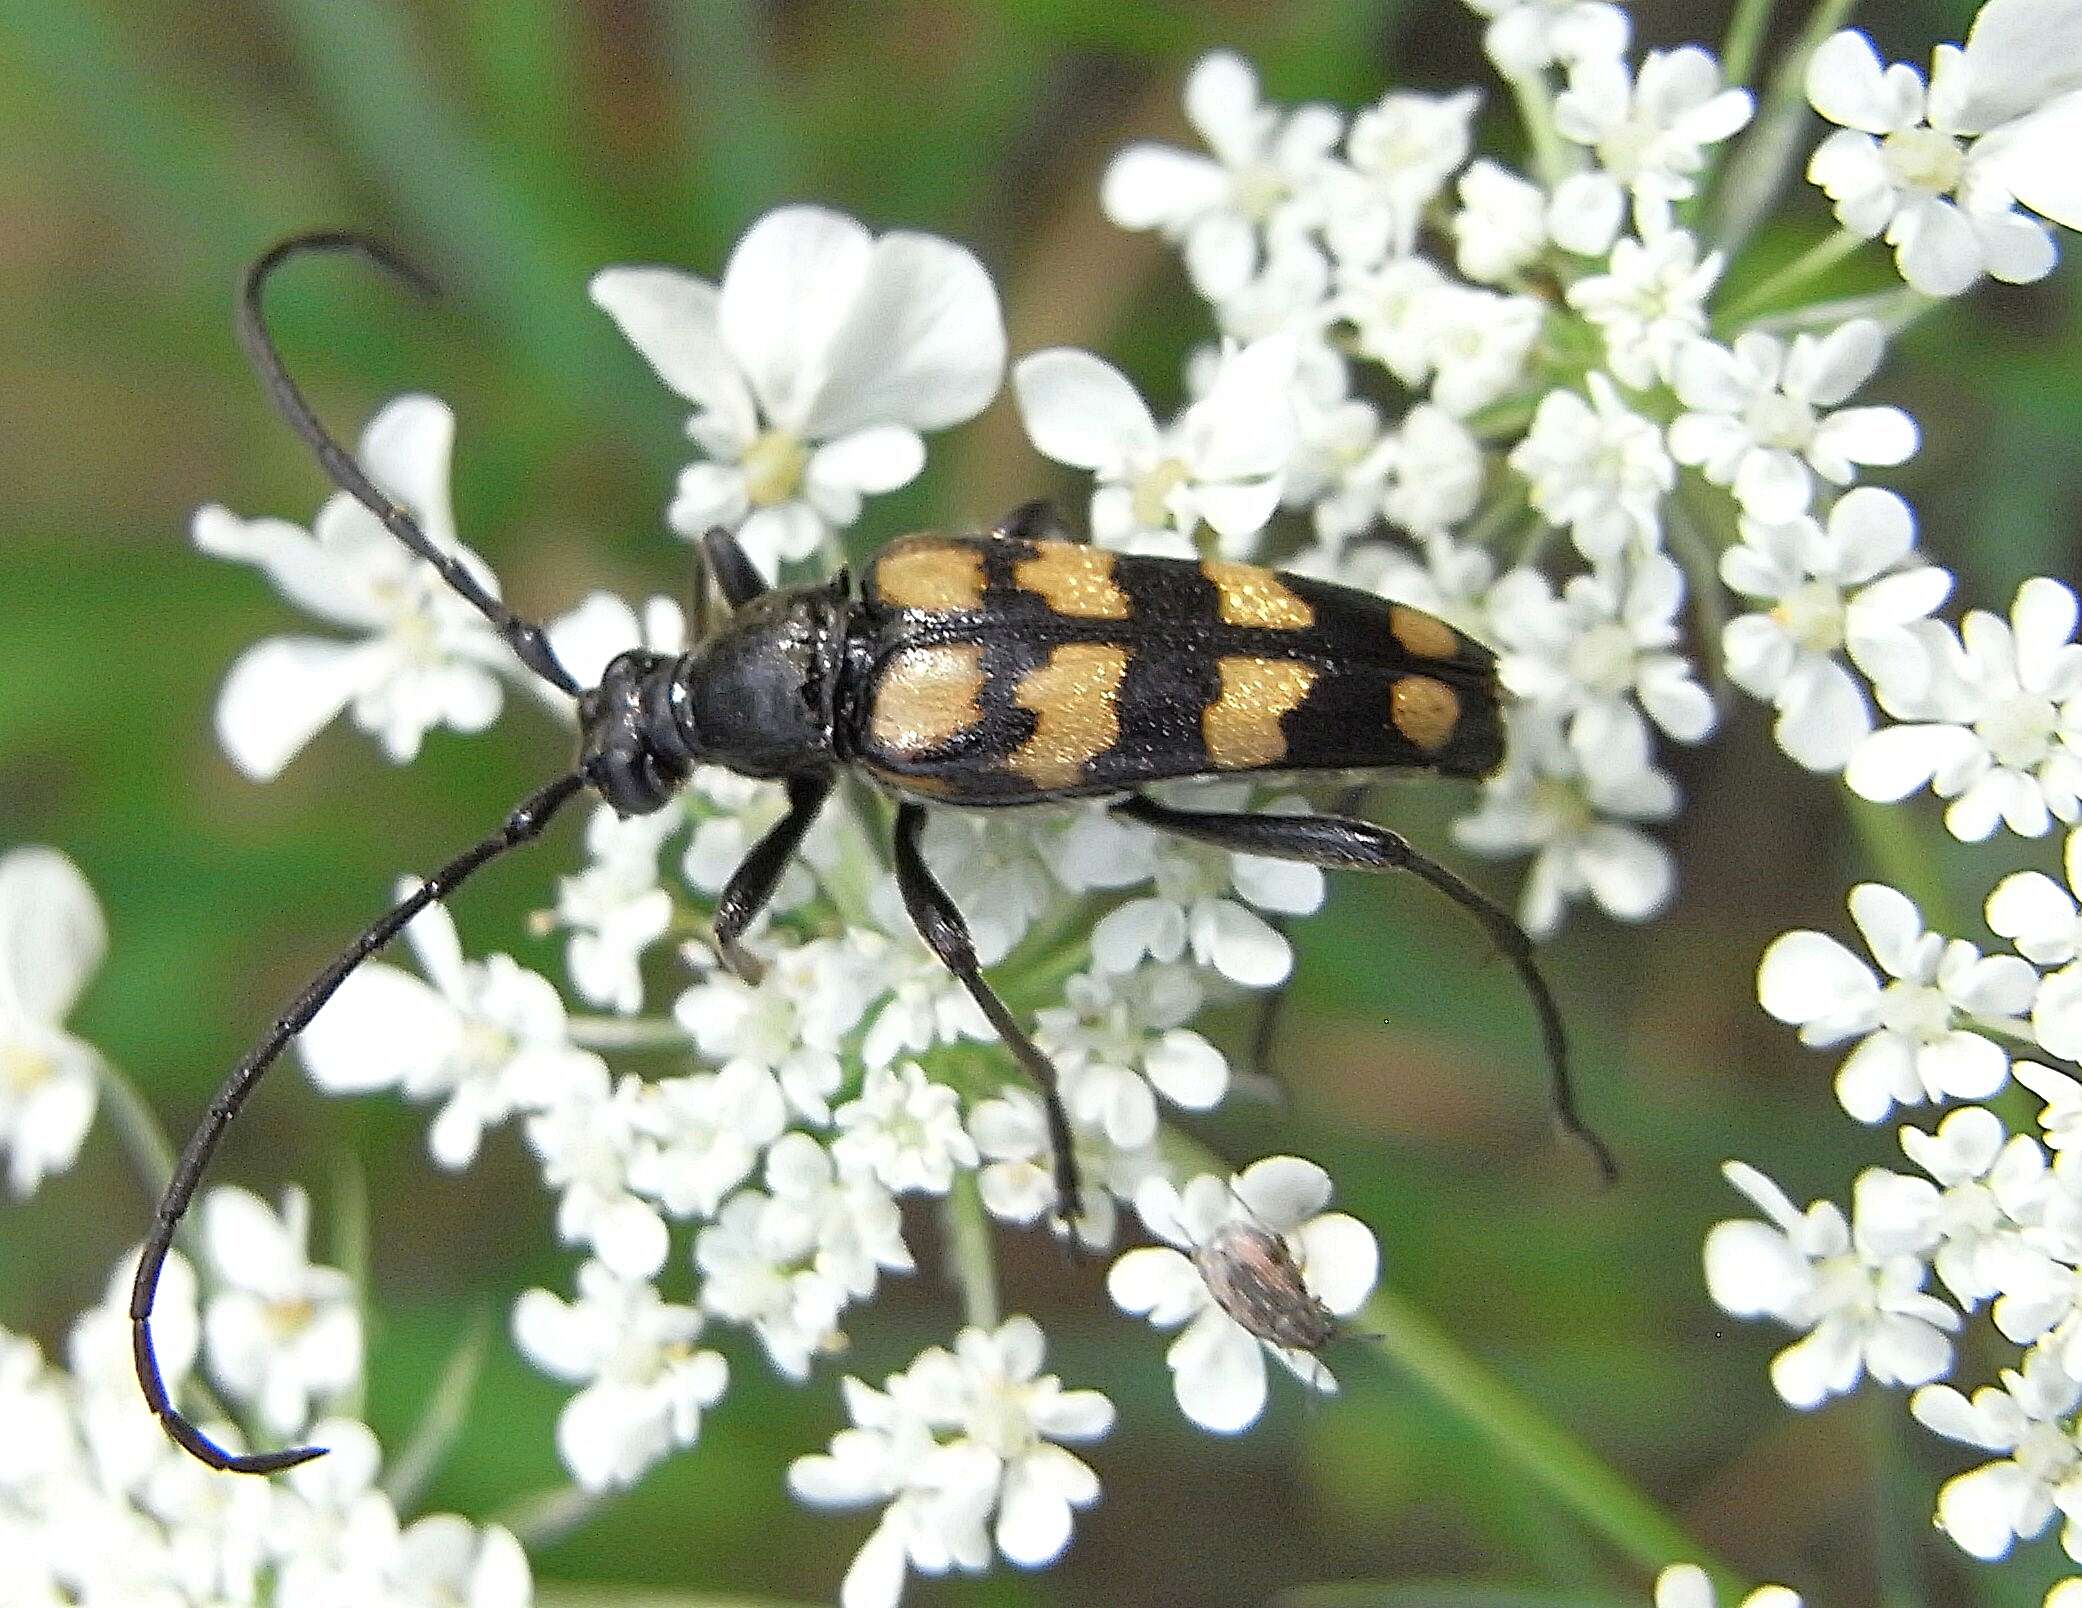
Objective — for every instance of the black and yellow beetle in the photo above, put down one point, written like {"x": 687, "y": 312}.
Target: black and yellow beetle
{"x": 985, "y": 671}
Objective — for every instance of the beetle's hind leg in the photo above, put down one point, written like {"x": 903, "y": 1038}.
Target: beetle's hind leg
{"x": 1339, "y": 844}
{"x": 1037, "y": 521}
{"x": 946, "y": 934}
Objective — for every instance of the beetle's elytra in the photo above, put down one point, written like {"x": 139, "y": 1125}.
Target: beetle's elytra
{"x": 981, "y": 671}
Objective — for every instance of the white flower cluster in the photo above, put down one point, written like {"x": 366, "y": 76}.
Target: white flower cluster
{"x": 1515, "y": 397}
{"x": 100, "y": 1509}
{"x": 1990, "y": 1218}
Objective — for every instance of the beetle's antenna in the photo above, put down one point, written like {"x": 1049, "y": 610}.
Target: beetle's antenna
{"x": 524, "y": 823}
{"x": 527, "y": 639}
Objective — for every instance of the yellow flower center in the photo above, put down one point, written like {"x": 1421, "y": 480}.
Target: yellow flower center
{"x": 773, "y": 467}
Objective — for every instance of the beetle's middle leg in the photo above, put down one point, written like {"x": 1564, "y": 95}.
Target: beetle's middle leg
{"x": 1339, "y": 844}
{"x": 752, "y": 884}
{"x": 1265, "y": 1027}
{"x": 946, "y": 934}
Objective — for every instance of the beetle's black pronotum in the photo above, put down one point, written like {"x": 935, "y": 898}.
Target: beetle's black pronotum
{"x": 996, "y": 670}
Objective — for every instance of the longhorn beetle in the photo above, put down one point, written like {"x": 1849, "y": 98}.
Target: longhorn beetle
{"x": 985, "y": 671}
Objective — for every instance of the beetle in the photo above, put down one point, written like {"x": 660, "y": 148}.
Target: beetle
{"x": 977, "y": 671}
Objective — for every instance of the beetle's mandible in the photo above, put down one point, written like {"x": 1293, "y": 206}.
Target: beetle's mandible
{"x": 1011, "y": 668}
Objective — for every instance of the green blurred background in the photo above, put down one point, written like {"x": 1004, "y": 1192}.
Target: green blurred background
{"x": 152, "y": 148}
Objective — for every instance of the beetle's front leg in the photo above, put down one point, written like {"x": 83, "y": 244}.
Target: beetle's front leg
{"x": 946, "y": 934}
{"x": 1339, "y": 844}
{"x": 752, "y": 884}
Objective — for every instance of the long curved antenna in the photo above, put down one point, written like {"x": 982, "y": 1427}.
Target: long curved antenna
{"x": 522, "y": 825}
{"x": 528, "y": 640}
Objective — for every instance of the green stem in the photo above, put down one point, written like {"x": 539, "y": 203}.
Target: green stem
{"x": 1818, "y": 259}
{"x": 971, "y": 1256}
{"x": 594, "y": 1032}
{"x": 1745, "y": 36}
{"x": 1524, "y": 1437}
{"x": 543, "y": 1518}
{"x": 151, "y": 1153}
{"x": 1550, "y": 153}
{"x": 1694, "y": 551}
{"x": 1898, "y": 855}
{"x": 1744, "y": 190}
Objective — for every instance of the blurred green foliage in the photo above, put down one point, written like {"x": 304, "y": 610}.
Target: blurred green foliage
{"x": 152, "y": 148}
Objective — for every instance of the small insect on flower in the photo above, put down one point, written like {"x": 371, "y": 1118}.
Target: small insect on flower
{"x": 987, "y": 671}
{"x": 1252, "y": 1275}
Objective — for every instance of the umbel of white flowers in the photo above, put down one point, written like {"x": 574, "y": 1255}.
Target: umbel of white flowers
{"x": 1384, "y": 400}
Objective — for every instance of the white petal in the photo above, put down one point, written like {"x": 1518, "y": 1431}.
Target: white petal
{"x": 406, "y": 450}
{"x": 871, "y": 461}
{"x": 1033, "y": 1515}
{"x": 1149, "y": 185}
{"x": 1752, "y": 1270}
{"x": 1156, "y": 1282}
{"x": 1081, "y": 410}
{"x": 383, "y": 1027}
{"x": 282, "y": 692}
{"x": 1283, "y": 1191}
{"x": 923, "y": 343}
{"x": 2019, "y": 54}
{"x": 52, "y": 935}
{"x": 788, "y": 289}
{"x": 1340, "y": 1261}
{"x": 1218, "y": 1374}
{"x": 671, "y": 319}
{"x": 1809, "y": 976}
{"x": 1865, "y": 435}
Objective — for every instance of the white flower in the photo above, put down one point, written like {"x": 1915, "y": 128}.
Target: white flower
{"x": 2027, "y": 1419}
{"x": 786, "y": 1260}
{"x": 1850, "y": 587}
{"x": 707, "y": 1133}
{"x": 1856, "y": 1290}
{"x": 52, "y": 939}
{"x": 422, "y": 656}
{"x": 1116, "y": 1038}
{"x": 1648, "y": 131}
{"x": 1477, "y": 344}
{"x": 1192, "y": 907}
{"x": 1685, "y": 1585}
{"x": 905, "y": 1130}
{"x": 1445, "y": 577}
{"x": 1338, "y": 465}
{"x": 615, "y": 908}
{"x": 1261, "y": 177}
{"x": 1016, "y": 1176}
{"x": 1501, "y": 227}
{"x": 1761, "y": 416}
{"x": 1992, "y": 1185}
{"x": 282, "y": 1335}
{"x": 2040, "y": 917}
{"x": 1995, "y": 720}
{"x": 791, "y": 1021}
{"x": 813, "y": 369}
{"x": 1889, "y": 169}
{"x": 1389, "y": 308}
{"x": 2020, "y": 84}
{"x": 1569, "y": 805}
{"x": 646, "y": 1385}
{"x": 1220, "y": 463}
{"x": 444, "y": 1559}
{"x": 1526, "y": 35}
{"x": 1598, "y": 468}
{"x": 2060, "y": 1119}
{"x": 1587, "y": 654}
{"x": 588, "y": 1140}
{"x": 1649, "y": 303}
{"x": 949, "y": 1441}
{"x": 1434, "y": 469}
{"x": 1217, "y": 1365}
{"x": 1916, "y": 1038}
{"x": 485, "y": 1037}
{"x": 1402, "y": 149}
{"x": 589, "y": 636}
